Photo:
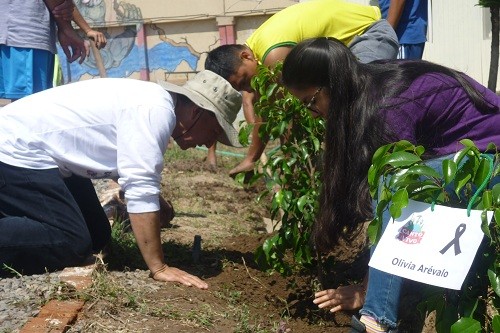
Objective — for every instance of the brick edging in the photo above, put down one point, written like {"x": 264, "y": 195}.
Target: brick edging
{"x": 58, "y": 316}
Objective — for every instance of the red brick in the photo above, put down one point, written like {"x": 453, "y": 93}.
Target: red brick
{"x": 55, "y": 317}
{"x": 60, "y": 308}
{"x": 48, "y": 325}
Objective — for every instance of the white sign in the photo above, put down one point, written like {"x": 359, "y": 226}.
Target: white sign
{"x": 434, "y": 247}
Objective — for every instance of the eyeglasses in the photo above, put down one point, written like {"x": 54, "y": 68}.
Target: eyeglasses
{"x": 312, "y": 101}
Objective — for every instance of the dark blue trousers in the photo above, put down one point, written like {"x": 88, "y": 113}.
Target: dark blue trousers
{"x": 48, "y": 222}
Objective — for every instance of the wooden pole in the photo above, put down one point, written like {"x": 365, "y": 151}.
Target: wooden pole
{"x": 98, "y": 59}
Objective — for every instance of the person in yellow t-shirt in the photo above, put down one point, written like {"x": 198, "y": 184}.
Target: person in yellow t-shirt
{"x": 360, "y": 27}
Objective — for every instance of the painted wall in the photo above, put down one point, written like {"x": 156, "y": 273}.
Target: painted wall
{"x": 167, "y": 39}
{"x": 164, "y": 40}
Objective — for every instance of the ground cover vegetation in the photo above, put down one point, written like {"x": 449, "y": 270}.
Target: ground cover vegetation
{"x": 241, "y": 296}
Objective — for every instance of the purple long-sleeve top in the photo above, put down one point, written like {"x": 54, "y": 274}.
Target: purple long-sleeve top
{"x": 436, "y": 112}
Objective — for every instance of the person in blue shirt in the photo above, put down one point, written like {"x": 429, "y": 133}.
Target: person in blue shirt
{"x": 409, "y": 20}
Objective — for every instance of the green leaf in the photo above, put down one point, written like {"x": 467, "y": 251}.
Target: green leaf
{"x": 380, "y": 152}
{"x": 240, "y": 178}
{"x": 374, "y": 230}
{"x": 491, "y": 146}
{"x": 495, "y": 322}
{"x": 277, "y": 160}
{"x": 283, "y": 127}
{"x": 423, "y": 170}
{"x": 400, "y": 159}
{"x": 278, "y": 197}
{"x": 495, "y": 192}
{"x": 449, "y": 171}
{"x": 385, "y": 195}
{"x": 485, "y": 224}
{"x": 261, "y": 195}
{"x": 468, "y": 143}
{"x": 482, "y": 172}
{"x": 270, "y": 89}
{"x": 395, "y": 211}
{"x": 425, "y": 186}
{"x": 372, "y": 178}
{"x": 408, "y": 182}
{"x": 487, "y": 199}
{"x": 316, "y": 144}
{"x": 494, "y": 281}
{"x": 301, "y": 202}
{"x": 419, "y": 150}
{"x": 398, "y": 177}
{"x": 399, "y": 201}
{"x": 466, "y": 325}
{"x": 497, "y": 216}
{"x": 266, "y": 247}
{"x": 402, "y": 145}
{"x": 459, "y": 156}
{"x": 244, "y": 134}
{"x": 463, "y": 176}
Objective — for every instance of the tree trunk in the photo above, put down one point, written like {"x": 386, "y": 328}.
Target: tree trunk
{"x": 492, "y": 79}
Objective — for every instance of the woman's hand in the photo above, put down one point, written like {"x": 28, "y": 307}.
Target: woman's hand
{"x": 98, "y": 38}
{"x": 350, "y": 297}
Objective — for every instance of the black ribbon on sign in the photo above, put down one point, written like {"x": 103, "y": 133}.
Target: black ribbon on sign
{"x": 455, "y": 241}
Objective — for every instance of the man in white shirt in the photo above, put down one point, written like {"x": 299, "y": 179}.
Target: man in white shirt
{"x": 53, "y": 142}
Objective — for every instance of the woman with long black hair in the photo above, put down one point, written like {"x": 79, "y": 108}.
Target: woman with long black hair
{"x": 370, "y": 105}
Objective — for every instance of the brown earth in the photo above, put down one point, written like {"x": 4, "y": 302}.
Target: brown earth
{"x": 241, "y": 297}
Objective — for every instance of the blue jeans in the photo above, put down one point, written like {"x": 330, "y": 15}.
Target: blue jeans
{"x": 47, "y": 222}
{"x": 384, "y": 289}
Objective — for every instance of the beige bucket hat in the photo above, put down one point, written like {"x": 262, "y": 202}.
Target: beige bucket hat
{"x": 213, "y": 93}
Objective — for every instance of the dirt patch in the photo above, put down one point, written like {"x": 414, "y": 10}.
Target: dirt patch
{"x": 241, "y": 298}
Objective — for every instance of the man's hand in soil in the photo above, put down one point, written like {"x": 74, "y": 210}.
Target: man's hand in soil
{"x": 146, "y": 228}
{"x": 350, "y": 297}
{"x": 172, "y": 274}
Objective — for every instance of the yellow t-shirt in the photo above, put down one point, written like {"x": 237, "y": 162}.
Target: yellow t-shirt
{"x": 318, "y": 18}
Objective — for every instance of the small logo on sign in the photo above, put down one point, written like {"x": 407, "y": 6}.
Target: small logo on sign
{"x": 411, "y": 232}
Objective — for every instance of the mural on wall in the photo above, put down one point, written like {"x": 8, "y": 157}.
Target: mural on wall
{"x": 123, "y": 54}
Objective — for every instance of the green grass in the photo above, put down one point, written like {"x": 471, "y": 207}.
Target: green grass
{"x": 123, "y": 251}
{"x": 175, "y": 153}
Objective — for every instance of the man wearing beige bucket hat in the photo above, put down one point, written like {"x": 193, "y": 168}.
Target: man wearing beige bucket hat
{"x": 54, "y": 142}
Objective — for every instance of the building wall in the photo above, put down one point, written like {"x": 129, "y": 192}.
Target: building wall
{"x": 167, "y": 39}
{"x": 460, "y": 39}
{"x": 164, "y": 40}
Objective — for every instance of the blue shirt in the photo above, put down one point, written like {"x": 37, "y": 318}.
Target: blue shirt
{"x": 436, "y": 112}
{"x": 412, "y": 26}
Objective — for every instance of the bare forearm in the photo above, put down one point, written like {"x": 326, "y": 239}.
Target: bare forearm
{"x": 80, "y": 21}
{"x": 248, "y": 110}
{"x": 73, "y": 46}
{"x": 61, "y": 23}
{"x": 395, "y": 11}
{"x": 146, "y": 227}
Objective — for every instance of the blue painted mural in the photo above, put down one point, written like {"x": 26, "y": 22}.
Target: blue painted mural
{"x": 122, "y": 55}
{"x": 162, "y": 56}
